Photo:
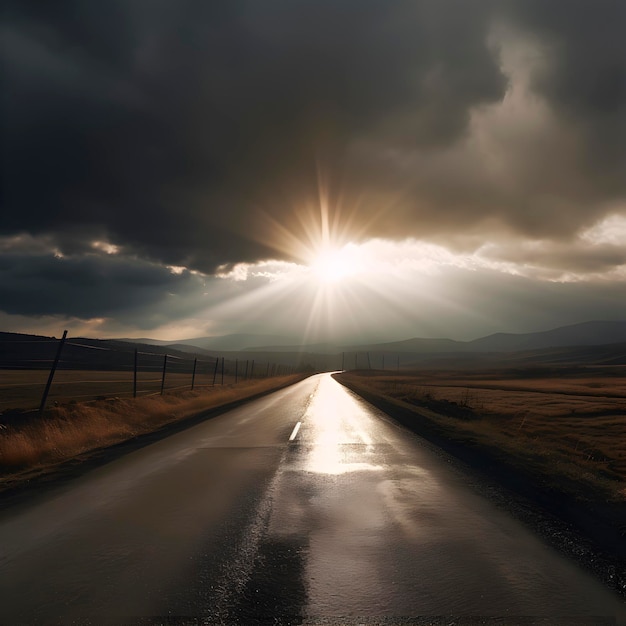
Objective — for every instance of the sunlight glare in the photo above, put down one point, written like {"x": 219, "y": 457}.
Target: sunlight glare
{"x": 334, "y": 265}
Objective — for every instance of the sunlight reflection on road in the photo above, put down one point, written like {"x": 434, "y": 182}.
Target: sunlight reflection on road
{"x": 335, "y": 420}
{"x": 386, "y": 527}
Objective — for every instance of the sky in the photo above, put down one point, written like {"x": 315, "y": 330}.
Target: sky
{"x": 346, "y": 170}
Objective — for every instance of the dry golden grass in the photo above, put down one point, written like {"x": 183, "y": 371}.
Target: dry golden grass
{"x": 572, "y": 428}
{"x": 70, "y": 430}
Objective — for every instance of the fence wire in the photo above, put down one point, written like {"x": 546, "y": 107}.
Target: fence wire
{"x": 88, "y": 371}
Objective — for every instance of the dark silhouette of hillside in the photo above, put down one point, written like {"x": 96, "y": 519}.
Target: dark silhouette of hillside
{"x": 584, "y": 334}
{"x": 589, "y": 342}
{"x": 18, "y": 351}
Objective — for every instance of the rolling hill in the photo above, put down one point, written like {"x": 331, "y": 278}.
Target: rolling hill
{"x": 589, "y": 342}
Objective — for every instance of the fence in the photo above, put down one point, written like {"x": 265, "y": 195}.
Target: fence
{"x": 42, "y": 370}
{"x": 360, "y": 360}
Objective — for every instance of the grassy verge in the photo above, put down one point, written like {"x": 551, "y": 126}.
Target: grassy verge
{"x": 32, "y": 446}
{"x": 570, "y": 433}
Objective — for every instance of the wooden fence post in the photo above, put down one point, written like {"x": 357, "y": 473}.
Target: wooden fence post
{"x": 193, "y": 375}
{"x": 163, "y": 377}
{"x": 217, "y": 360}
{"x": 135, "y": 375}
{"x": 46, "y": 391}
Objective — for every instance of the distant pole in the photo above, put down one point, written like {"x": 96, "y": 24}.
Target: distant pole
{"x": 46, "y": 391}
{"x": 222, "y": 371}
{"x": 369, "y": 364}
{"x": 215, "y": 370}
{"x": 246, "y": 374}
{"x": 343, "y": 359}
{"x": 193, "y": 375}
{"x": 135, "y": 375}
{"x": 163, "y": 377}
{"x": 267, "y": 373}
{"x": 236, "y": 368}
{"x": 252, "y": 369}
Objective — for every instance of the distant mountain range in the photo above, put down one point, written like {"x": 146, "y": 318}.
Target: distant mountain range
{"x": 596, "y": 342}
{"x": 20, "y": 351}
{"x": 584, "y": 334}
{"x": 229, "y": 343}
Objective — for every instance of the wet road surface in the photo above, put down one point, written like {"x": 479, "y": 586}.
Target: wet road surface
{"x": 307, "y": 506}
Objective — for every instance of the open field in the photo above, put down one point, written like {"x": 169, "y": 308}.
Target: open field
{"x": 31, "y": 445}
{"x": 570, "y": 428}
{"x": 22, "y": 389}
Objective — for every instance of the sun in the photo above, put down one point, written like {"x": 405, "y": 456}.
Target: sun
{"x": 333, "y": 265}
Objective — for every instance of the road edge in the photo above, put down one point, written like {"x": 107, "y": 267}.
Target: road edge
{"x": 49, "y": 477}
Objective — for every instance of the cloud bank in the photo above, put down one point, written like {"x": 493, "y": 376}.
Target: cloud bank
{"x": 194, "y": 135}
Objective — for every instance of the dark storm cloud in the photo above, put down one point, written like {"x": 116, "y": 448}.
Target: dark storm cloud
{"x": 92, "y": 285}
{"x": 584, "y": 76}
{"x": 165, "y": 126}
{"x": 586, "y": 72}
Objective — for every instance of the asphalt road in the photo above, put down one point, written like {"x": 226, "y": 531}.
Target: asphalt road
{"x": 307, "y": 506}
